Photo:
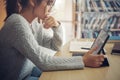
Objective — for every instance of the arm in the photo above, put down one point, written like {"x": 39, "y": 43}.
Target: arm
{"x": 51, "y": 38}
{"x": 25, "y": 43}
{"x": 54, "y": 42}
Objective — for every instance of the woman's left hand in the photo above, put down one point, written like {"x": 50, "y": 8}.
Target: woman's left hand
{"x": 50, "y": 22}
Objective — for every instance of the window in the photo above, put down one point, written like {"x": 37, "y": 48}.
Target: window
{"x": 62, "y": 10}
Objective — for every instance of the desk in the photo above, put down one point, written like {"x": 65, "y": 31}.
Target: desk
{"x": 104, "y": 73}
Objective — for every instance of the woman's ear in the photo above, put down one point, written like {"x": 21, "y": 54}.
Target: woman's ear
{"x": 32, "y": 2}
{"x": 19, "y": 7}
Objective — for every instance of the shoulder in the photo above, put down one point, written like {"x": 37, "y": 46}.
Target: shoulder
{"x": 14, "y": 18}
{"x": 14, "y": 25}
{"x": 16, "y": 21}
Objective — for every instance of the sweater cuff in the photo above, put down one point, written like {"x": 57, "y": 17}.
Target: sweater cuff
{"x": 79, "y": 62}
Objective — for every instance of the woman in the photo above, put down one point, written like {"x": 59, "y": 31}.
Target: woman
{"x": 24, "y": 45}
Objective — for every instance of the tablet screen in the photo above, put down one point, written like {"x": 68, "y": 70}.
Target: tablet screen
{"x": 100, "y": 41}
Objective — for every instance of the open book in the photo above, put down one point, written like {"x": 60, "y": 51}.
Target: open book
{"x": 80, "y": 47}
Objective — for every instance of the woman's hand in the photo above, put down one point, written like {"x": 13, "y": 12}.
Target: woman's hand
{"x": 91, "y": 60}
{"x": 50, "y": 22}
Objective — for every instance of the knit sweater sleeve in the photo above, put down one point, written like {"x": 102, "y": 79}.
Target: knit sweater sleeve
{"x": 55, "y": 41}
{"x": 52, "y": 38}
{"x": 24, "y": 41}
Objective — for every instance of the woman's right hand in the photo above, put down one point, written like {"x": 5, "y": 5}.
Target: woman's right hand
{"x": 92, "y": 60}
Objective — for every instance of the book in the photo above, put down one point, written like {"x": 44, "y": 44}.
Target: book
{"x": 88, "y": 5}
{"x": 82, "y": 6}
{"x": 118, "y": 23}
{"x": 103, "y": 5}
{"x": 95, "y": 25}
{"x": 116, "y": 48}
{"x": 92, "y": 6}
{"x": 114, "y": 22}
{"x": 104, "y": 22}
{"x": 99, "y": 6}
{"x": 118, "y": 4}
{"x": 115, "y": 4}
{"x": 80, "y": 47}
{"x": 108, "y": 6}
{"x": 95, "y": 7}
{"x": 91, "y": 21}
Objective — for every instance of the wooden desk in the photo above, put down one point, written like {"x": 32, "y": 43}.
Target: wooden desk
{"x": 104, "y": 73}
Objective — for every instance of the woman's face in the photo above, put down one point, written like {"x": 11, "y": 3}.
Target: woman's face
{"x": 43, "y": 9}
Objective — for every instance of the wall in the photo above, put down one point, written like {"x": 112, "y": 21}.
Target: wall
{"x": 2, "y": 13}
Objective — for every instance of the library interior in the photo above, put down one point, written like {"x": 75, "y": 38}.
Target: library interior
{"x": 82, "y": 22}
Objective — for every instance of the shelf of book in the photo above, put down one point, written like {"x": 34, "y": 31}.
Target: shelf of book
{"x": 96, "y": 15}
{"x": 102, "y": 5}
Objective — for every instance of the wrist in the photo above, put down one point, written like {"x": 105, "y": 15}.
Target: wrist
{"x": 57, "y": 24}
{"x": 84, "y": 60}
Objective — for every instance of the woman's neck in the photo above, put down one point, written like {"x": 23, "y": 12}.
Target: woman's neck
{"x": 28, "y": 15}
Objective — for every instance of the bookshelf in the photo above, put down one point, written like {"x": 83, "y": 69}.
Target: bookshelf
{"x": 90, "y": 16}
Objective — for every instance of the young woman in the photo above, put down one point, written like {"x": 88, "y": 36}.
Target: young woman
{"x": 25, "y": 44}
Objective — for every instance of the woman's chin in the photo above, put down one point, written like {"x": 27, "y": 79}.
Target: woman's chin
{"x": 42, "y": 18}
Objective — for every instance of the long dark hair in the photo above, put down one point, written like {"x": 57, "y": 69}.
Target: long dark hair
{"x": 12, "y": 6}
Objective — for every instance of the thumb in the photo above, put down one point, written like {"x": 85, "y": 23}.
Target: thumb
{"x": 92, "y": 50}
{"x": 45, "y": 18}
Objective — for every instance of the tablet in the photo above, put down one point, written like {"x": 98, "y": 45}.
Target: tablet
{"x": 100, "y": 42}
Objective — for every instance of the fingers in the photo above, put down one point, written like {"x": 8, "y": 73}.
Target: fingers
{"x": 97, "y": 64}
{"x": 50, "y": 22}
{"x": 92, "y": 50}
{"x": 93, "y": 60}
{"x": 98, "y": 61}
{"x": 99, "y": 57}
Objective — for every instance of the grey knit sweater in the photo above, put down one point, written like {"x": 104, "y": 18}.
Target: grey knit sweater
{"x": 22, "y": 46}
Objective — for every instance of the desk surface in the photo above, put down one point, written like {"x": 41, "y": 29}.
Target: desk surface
{"x": 104, "y": 73}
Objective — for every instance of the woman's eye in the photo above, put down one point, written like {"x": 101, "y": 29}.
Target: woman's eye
{"x": 50, "y": 2}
